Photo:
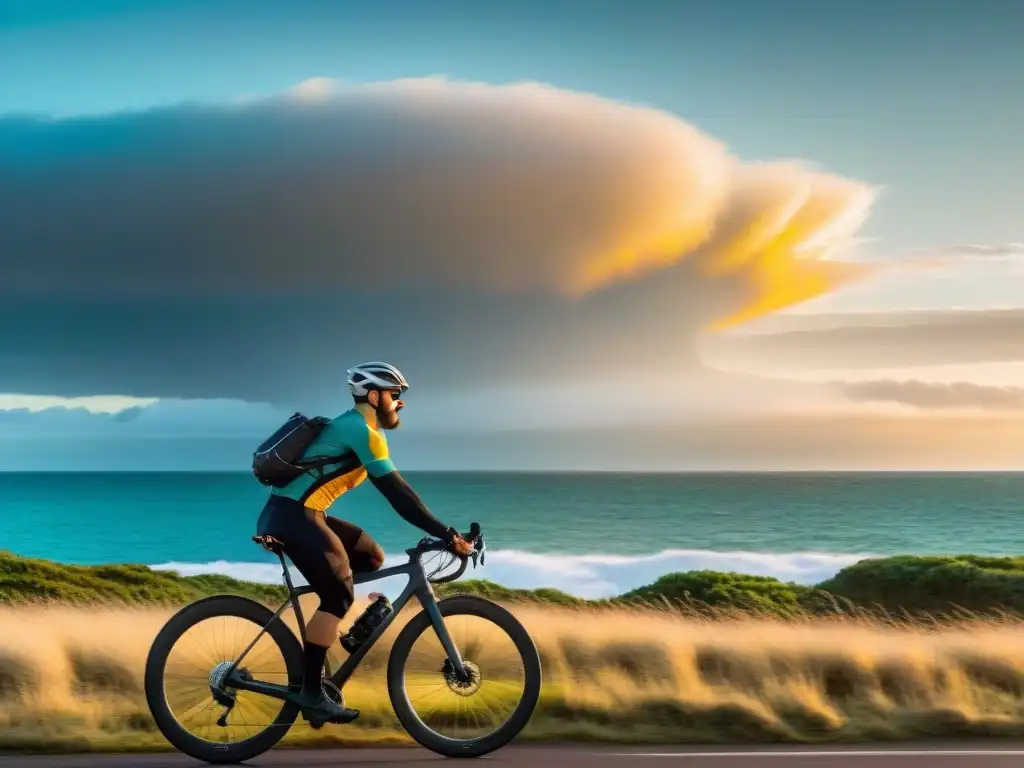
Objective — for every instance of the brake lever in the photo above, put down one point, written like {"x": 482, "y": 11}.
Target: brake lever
{"x": 478, "y": 550}
{"x": 477, "y": 538}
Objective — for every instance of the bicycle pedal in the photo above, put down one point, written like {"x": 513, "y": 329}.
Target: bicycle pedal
{"x": 345, "y": 719}
{"x": 316, "y": 723}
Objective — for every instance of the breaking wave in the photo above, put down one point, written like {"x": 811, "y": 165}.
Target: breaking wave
{"x": 589, "y": 576}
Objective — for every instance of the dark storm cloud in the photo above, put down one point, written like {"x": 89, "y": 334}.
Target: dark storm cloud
{"x": 256, "y": 249}
{"x": 299, "y": 347}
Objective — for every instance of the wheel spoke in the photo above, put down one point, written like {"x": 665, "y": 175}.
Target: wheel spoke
{"x": 194, "y": 697}
{"x": 464, "y": 711}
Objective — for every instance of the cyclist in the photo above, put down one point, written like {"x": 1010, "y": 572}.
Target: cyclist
{"x": 327, "y": 550}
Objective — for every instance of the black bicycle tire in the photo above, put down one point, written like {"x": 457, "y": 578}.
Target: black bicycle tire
{"x": 209, "y": 607}
{"x": 471, "y": 605}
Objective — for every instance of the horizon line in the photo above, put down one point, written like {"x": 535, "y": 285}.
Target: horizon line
{"x": 515, "y": 471}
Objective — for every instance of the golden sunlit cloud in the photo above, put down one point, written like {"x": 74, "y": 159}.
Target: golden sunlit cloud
{"x": 652, "y": 191}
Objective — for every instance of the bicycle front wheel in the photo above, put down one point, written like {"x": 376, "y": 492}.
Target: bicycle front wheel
{"x": 186, "y": 671}
{"x": 465, "y": 719}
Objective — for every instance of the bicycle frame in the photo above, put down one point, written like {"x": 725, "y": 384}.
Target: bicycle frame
{"x": 417, "y": 585}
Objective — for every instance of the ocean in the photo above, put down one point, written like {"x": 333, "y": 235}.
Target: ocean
{"x": 590, "y": 534}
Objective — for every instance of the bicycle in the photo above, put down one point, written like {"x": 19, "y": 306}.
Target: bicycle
{"x": 229, "y": 679}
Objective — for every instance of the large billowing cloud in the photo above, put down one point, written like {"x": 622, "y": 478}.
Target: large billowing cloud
{"x": 465, "y": 231}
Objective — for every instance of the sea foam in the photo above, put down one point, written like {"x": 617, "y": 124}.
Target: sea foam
{"x": 590, "y": 576}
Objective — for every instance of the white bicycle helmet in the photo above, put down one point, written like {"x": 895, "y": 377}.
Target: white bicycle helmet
{"x": 376, "y": 375}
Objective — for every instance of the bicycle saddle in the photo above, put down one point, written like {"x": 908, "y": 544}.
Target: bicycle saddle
{"x": 269, "y": 543}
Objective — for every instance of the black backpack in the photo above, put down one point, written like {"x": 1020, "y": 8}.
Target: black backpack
{"x": 278, "y": 459}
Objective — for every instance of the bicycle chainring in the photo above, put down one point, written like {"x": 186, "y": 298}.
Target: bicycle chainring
{"x": 333, "y": 692}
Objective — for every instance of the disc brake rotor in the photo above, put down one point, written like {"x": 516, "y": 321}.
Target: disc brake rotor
{"x": 460, "y": 687}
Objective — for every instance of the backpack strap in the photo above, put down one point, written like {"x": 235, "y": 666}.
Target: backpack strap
{"x": 318, "y": 463}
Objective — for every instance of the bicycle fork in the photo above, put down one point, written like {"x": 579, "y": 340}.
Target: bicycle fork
{"x": 437, "y": 620}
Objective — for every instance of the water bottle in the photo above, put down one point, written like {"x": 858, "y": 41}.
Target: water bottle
{"x": 363, "y": 627}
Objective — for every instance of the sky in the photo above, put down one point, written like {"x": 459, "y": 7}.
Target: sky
{"x": 752, "y": 228}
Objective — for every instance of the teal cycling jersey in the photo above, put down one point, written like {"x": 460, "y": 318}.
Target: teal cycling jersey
{"x": 362, "y": 452}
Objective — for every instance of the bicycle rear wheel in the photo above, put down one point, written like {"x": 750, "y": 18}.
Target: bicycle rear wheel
{"x": 457, "y": 719}
{"x": 190, "y": 657}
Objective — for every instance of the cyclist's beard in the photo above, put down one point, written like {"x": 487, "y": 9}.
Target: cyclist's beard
{"x": 387, "y": 419}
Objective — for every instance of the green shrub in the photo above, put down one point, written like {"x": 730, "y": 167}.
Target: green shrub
{"x": 726, "y": 591}
{"x": 25, "y": 579}
{"x": 934, "y": 584}
{"x": 500, "y": 593}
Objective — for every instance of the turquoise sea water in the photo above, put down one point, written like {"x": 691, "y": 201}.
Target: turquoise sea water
{"x": 588, "y": 533}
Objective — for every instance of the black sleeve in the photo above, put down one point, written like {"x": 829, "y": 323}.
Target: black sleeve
{"x": 408, "y": 504}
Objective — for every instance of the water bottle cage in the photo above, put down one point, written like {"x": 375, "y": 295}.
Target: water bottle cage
{"x": 368, "y": 621}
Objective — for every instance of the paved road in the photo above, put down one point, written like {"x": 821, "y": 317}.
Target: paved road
{"x": 1000, "y": 755}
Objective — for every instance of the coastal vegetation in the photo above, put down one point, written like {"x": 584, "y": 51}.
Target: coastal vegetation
{"x": 911, "y": 587}
{"x": 890, "y": 649}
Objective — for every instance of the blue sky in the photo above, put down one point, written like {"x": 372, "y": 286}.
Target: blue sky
{"x": 921, "y": 101}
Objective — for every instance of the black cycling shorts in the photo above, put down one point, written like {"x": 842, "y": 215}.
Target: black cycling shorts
{"x": 324, "y": 549}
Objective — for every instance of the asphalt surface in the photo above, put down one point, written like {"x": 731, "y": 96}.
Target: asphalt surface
{"x": 1001, "y": 755}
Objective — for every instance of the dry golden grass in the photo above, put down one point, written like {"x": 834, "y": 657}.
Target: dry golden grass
{"x": 70, "y": 679}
